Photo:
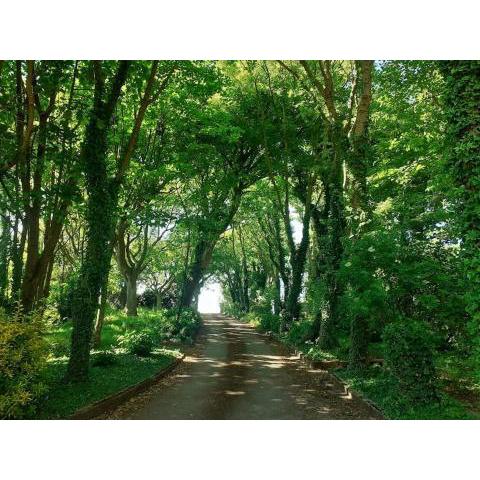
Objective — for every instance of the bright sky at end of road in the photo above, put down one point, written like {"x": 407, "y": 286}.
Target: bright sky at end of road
{"x": 210, "y": 298}
{"x": 297, "y": 226}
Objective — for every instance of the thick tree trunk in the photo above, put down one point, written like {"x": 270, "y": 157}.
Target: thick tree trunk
{"x": 245, "y": 276}
{"x": 36, "y": 280}
{"x": 201, "y": 260}
{"x": 320, "y": 269}
{"x": 158, "y": 300}
{"x": 335, "y": 208}
{"x": 122, "y": 297}
{"x": 38, "y": 266}
{"x": 359, "y": 331}
{"x": 462, "y": 99}
{"x": 32, "y": 224}
{"x": 101, "y": 211}
{"x": 327, "y": 338}
{"x": 131, "y": 304}
{"x": 292, "y": 305}
{"x": 358, "y": 162}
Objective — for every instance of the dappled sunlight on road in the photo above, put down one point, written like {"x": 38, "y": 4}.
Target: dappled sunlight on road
{"x": 236, "y": 373}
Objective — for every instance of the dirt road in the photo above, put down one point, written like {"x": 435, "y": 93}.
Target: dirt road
{"x": 236, "y": 373}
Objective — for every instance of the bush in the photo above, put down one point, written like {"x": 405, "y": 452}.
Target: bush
{"x": 180, "y": 328}
{"x": 104, "y": 359}
{"x": 300, "y": 332}
{"x": 138, "y": 343}
{"x": 59, "y": 349}
{"x": 147, "y": 299}
{"x": 316, "y": 354}
{"x": 188, "y": 324}
{"x": 23, "y": 354}
{"x": 231, "y": 309}
{"x": 265, "y": 322}
{"x": 409, "y": 356}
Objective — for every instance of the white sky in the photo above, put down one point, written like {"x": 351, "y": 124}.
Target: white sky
{"x": 297, "y": 226}
{"x": 210, "y": 298}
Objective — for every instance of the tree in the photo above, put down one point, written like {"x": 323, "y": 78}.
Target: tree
{"x": 462, "y": 99}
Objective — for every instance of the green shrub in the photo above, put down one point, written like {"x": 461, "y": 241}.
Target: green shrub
{"x": 104, "y": 359}
{"x": 178, "y": 328}
{"x": 59, "y": 349}
{"x": 315, "y": 353}
{"x": 188, "y": 324}
{"x": 231, "y": 309}
{"x": 23, "y": 354}
{"x": 409, "y": 356}
{"x": 253, "y": 319}
{"x": 300, "y": 332}
{"x": 265, "y": 322}
{"x": 138, "y": 343}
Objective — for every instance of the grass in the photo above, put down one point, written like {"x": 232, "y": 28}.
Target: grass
{"x": 374, "y": 384}
{"x": 122, "y": 371}
{"x": 64, "y": 399}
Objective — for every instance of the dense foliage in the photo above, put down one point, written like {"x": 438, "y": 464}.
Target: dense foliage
{"x": 336, "y": 202}
{"x": 23, "y": 355}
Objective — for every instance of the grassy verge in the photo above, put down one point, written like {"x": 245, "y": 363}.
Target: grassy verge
{"x": 115, "y": 369}
{"x": 64, "y": 399}
{"x": 374, "y": 384}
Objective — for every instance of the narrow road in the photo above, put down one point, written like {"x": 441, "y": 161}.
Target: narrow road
{"x": 236, "y": 373}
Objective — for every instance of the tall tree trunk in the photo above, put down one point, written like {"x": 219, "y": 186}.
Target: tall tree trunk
{"x": 462, "y": 100}
{"x": 131, "y": 307}
{"x": 320, "y": 269}
{"x": 122, "y": 297}
{"x": 359, "y": 331}
{"x": 4, "y": 258}
{"x": 245, "y": 275}
{"x": 334, "y": 181}
{"x": 158, "y": 300}
{"x": 292, "y": 305}
{"x": 201, "y": 259}
{"x": 36, "y": 264}
{"x": 32, "y": 224}
{"x": 23, "y": 133}
{"x": 100, "y": 216}
{"x": 328, "y": 328}
{"x": 358, "y": 164}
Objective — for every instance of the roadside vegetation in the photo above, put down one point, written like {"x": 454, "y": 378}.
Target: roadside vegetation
{"x": 399, "y": 392}
{"x": 132, "y": 349}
